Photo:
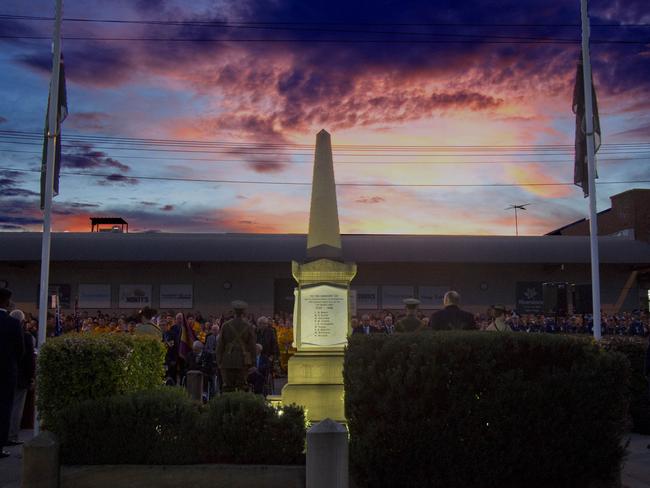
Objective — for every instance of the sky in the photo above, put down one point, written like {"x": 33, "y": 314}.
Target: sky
{"x": 202, "y": 116}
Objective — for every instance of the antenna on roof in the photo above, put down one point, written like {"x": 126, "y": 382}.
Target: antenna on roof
{"x": 517, "y": 207}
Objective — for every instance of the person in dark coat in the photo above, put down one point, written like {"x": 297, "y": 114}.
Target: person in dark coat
{"x": 452, "y": 317}
{"x": 25, "y": 380}
{"x": 12, "y": 349}
{"x": 267, "y": 337}
{"x": 646, "y": 369}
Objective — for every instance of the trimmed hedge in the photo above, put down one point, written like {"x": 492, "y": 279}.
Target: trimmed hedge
{"x": 145, "y": 427}
{"x": 634, "y": 349}
{"x": 244, "y": 429}
{"x": 459, "y": 409}
{"x": 77, "y": 367}
{"x": 165, "y": 427}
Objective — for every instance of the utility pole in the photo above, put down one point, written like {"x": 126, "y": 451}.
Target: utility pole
{"x": 517, "y": 207}
{"x": 49, "y": 182}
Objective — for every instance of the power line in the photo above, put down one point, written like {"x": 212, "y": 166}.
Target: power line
{"x": 330, "y": 41}
{"x": 38, "y": 135}
{"x": 380, "y": 24}
{"x": 306, "y": 183}
{"x": 404, "y": 163}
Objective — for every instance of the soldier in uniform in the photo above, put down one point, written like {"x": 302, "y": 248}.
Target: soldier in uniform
{"x": 236, "y": 349}
{"x": 410, "y": 323}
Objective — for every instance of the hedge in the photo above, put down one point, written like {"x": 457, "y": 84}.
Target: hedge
{"x": 145, "y": 427}
{"x": 459, "y": 409}
{"x": 76, "y": 367}
{"x": 634, "y": 349}
{"x": 165, "y": 427}
{"x": 244, "y": 429}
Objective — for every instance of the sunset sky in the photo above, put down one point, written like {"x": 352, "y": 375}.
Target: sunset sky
{"x": 442, "y": 113}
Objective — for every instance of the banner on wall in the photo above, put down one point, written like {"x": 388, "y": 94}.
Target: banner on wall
{"x": 393, "y": 296}
{"x": 431, "y": 296}
{"x": 134, "y": 296}
{"x": 367, "y": 298}
{"x": 530, "y": 297}
{"x": 94, "y": 296}
{"x": 176, "y": 296}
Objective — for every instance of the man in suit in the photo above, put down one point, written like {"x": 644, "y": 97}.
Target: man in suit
{"x": 364, "y": 327}
{"x": 236, "y": 349}
{"x": 410, "y": 323}
{"x": 452, "y": 317}
{"x": 12, "y": 349}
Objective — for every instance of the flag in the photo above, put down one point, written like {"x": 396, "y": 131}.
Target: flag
{"x": 580, "y": 172}
{"x": 62, "y": 113}
{"x": 186, "y": 340}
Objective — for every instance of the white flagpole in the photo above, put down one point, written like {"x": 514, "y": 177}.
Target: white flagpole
{"x": 593, "y": 222}
{"x": 53, "y": 126}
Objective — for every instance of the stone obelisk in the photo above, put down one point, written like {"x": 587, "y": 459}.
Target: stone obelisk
{"x": 321, "y": 313}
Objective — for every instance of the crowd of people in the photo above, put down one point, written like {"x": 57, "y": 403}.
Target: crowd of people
{"x": 236, "y": 350}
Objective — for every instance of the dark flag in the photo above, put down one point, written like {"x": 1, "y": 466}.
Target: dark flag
{"x": 62, "y": 113}
{"x": 580, "y": 172}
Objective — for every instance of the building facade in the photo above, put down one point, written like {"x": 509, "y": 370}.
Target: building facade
{"x": 120, "y": 273}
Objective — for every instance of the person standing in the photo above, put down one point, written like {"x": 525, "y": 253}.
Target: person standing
{"x": 147, "y": 325}
{"x": 236, "y": 349}
{"x": 364, "y": 327}
{"x": 452, "y": 317}
{"x": 410, "y": 323}
{"x": 498, "y": 322}
{"x": 11, "y": 351}
{"x": 25, "y": 380}
{"x": 268, "y": 339}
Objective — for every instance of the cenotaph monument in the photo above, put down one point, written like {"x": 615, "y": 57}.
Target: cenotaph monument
{"x": 321, "y": 311}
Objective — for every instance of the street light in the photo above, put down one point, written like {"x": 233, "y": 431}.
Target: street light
{"x": 515, "y": 208}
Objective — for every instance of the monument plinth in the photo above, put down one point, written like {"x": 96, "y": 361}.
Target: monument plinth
{"x": 321, "y": 311}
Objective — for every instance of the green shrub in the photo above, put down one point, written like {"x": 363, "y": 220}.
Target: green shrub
{"x": 77, "y": 367}
{"x": 164, "y": 426}
{"x": 244, "y": 429}
{"x": 634, "y": 349}
{"x": 145, "y": 427}
{"x": 459, "y": 409}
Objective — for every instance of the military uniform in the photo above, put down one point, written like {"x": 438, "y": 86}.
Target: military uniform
{"x": 410, "y": 323}
{"x": 236, "y": 351}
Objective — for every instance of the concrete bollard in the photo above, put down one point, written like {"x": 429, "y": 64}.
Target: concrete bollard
{"x": 194, "y": 385}
{"x": 41, "y": 462}
{"x": 327, "y": 455}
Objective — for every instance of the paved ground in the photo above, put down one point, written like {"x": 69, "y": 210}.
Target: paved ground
{"x": 636, "y": 472}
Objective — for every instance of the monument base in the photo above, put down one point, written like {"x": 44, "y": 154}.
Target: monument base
{"x": 315, "y": 382}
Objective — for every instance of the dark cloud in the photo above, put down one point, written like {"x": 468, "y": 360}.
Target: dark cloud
{"x": 117, "y": 178}
{"x": 17, "y": 192}
{"x": 83, "y": 156}
{"x": 167, "y": 208}
{"x": 9, "y": 185}
{"x": 87, "y": 63}
{"x": 3, "y": 120}
{"x": 375, "y": 199}
{"x": 78, "y": 205}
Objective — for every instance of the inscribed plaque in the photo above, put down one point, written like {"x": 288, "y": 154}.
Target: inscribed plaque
{"x": 323, "y": 316}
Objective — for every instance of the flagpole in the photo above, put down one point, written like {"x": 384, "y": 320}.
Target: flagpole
{"x": 53, "y": 127}
{"x": 589, "y": 122}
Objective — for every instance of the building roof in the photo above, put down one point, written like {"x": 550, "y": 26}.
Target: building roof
{"x": 161, "y": 247}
